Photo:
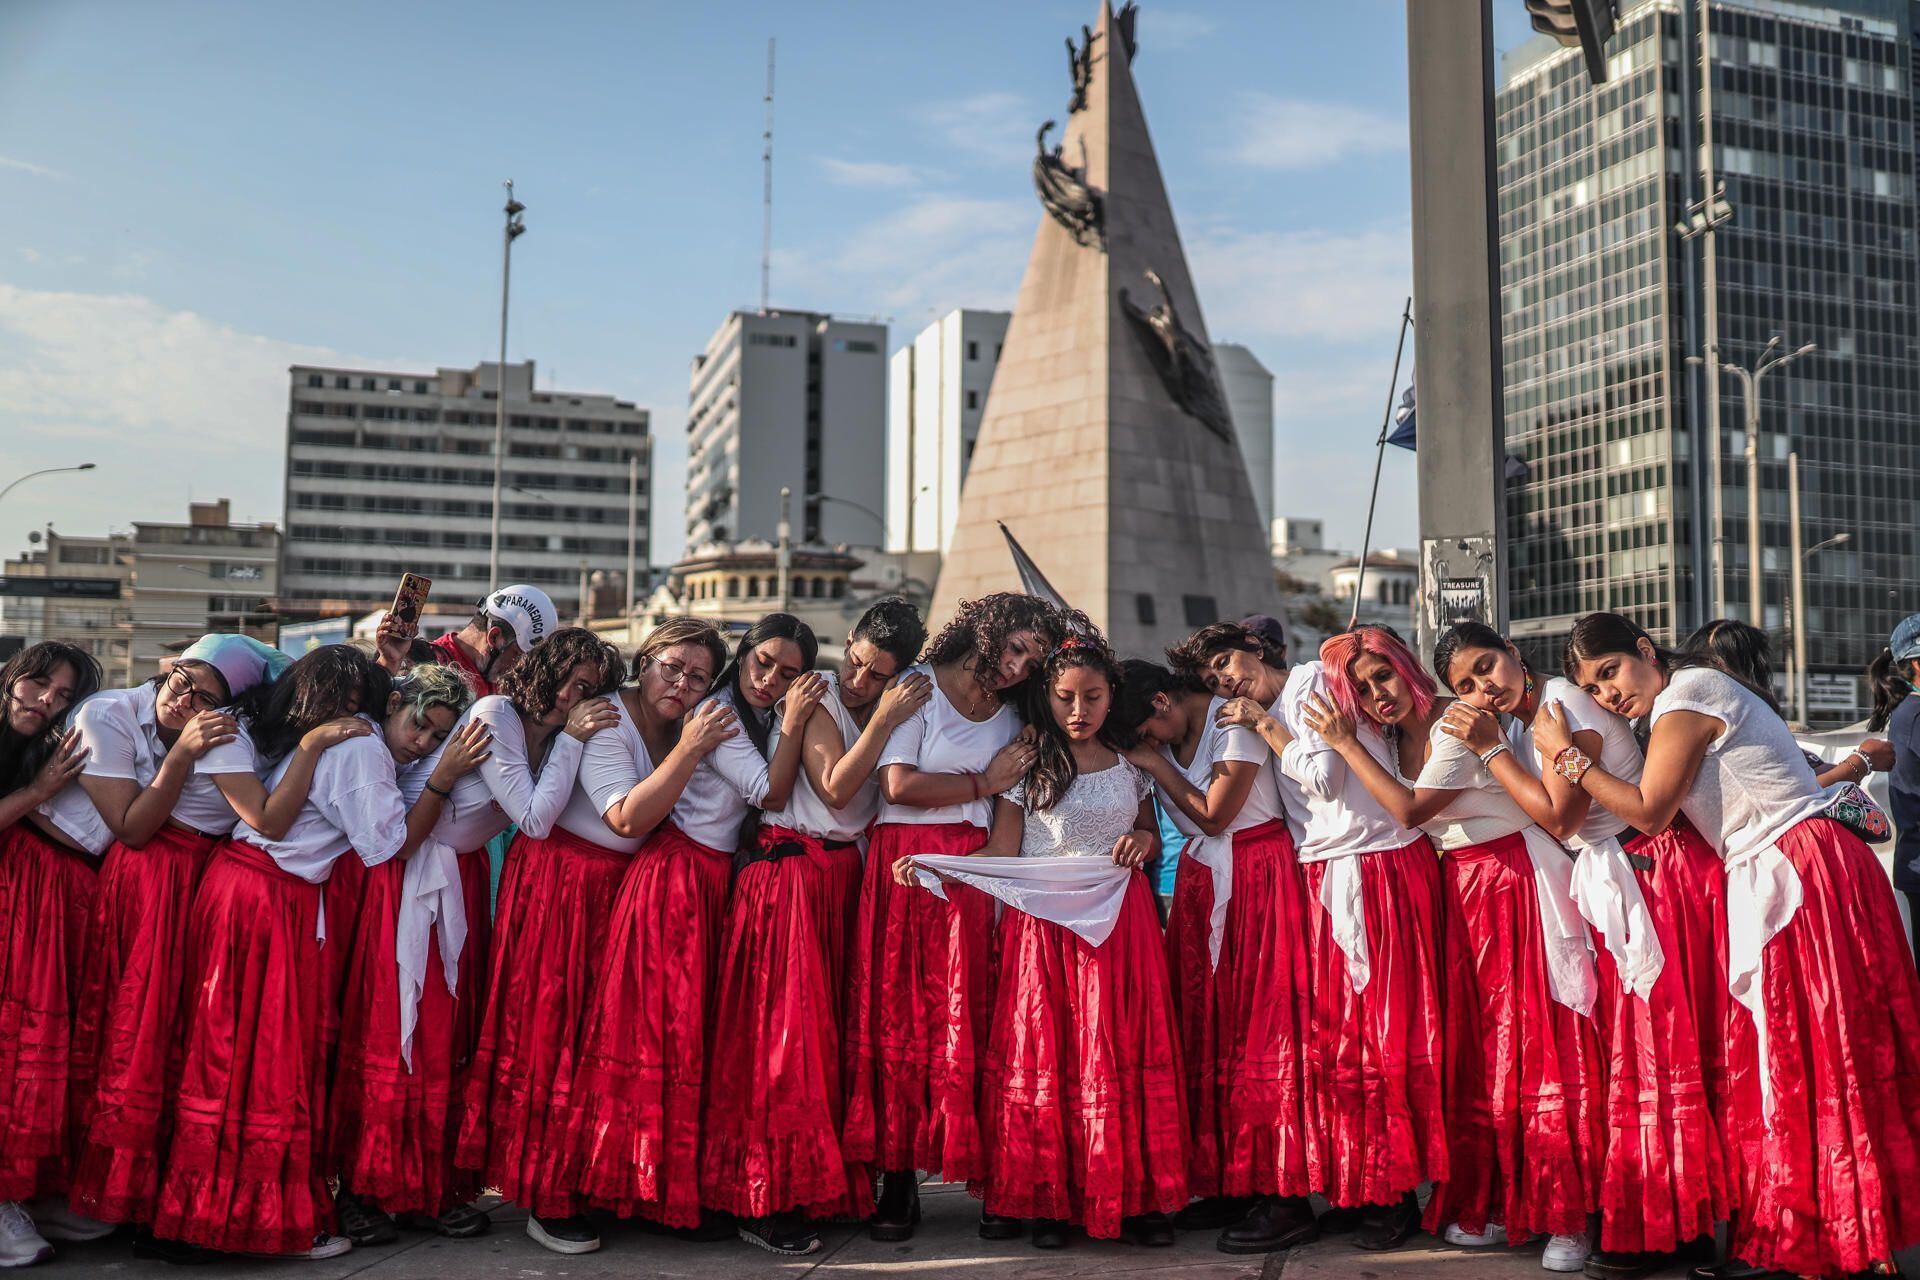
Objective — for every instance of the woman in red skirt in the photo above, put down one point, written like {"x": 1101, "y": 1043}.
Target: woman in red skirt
{"x": 1665, "y": 1180}
{"x": 920, "y": 977}
{"x": 46, "y": 891}
{"x": 1082, "y": 1109}
{"x": 418, "y": 971}
{"x": 1237, "y": 949}
{"x": 245, "y": 1169}
{"x": 1531, "y": 985}
{"x": 770, "y": 1136}
{"x": 1826, "y": 1059}
{"x": 634, "y": 1123}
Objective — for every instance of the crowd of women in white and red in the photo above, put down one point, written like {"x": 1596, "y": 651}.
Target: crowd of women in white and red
{"x": 1595, "y": 960}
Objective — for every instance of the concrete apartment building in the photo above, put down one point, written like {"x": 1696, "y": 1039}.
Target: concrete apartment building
{"x": 791, "y": 399}
{"x": 1813, "y": 128}
{"x": 69, "y": 588}
{"x": 390, "y": 472}
{"x": 936, "y": 392}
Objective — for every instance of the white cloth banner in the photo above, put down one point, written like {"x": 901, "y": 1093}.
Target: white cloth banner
{"x": 1346, "y": 909}
{"x": 430, "y": 899}
{"x": 1569, "y": 947}
{"x": 1608, "y": 895}
{"x": 1763, "y": 894}
{"x": 1077, "y": 892}
{"x": 1215, "y": 853}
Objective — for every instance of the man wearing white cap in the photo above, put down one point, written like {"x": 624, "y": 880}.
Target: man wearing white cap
{"x": 508, "y": 624}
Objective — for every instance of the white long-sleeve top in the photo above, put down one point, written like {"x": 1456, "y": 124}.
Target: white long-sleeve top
{"x": 354, "y": 803}
{"x": 614, "y": 762}
{"x": 507, "y": 787}
{"x": 1342, "y": 817}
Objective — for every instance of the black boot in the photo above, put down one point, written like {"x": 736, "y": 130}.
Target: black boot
{"x": 1050, "y": 1233}
{"x": 1619, "y": 1264}
{"x": 898, "y": 1211}
{"x": 995, "y": 1227}
{"x": 1149, "y": 1230}
{"x": 1213, "y": 1213}
{"x": 1340, "y": 1222}
{"x": 1275, "y": 1223}
{"x": 1388, "y": 1226}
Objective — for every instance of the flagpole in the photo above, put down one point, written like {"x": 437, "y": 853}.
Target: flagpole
{"x": 1379, "y": 454}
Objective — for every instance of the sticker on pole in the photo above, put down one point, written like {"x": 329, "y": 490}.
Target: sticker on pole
{"x": 1458, "y": 577}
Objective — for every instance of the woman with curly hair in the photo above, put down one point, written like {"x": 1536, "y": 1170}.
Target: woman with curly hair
{"x": 408, "y": 1035}
{"x": 46, "y": 893}
{"x": 1236, "y": 933}
{"x": 1083, "y": 1114}
{"x": 920, "y": 977}
{"x": 1531, "y": 1079}
{"x": 246, "y": 1169}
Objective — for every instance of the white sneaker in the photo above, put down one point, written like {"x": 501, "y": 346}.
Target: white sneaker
{"x": 59, "y": 1221}
{"x": 1494, "y": 1234}
{"x": 20, "y": 1244}
{"x": 1566, "y": 1253}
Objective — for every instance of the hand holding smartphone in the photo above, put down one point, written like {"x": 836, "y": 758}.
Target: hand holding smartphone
{"x": 408, "y": 601}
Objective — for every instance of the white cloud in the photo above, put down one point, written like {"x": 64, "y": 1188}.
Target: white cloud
{"x": 996, "y": 127}
{"x": 1295, "y": 133}
{"x": 37, "y": 170}
{"x": 877, "y": 174}
{"x": 1303, "y": 284}
{"x": 30, "y": 255}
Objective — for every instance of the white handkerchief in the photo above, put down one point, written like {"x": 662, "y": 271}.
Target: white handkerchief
{"x": 1076, "y": 892}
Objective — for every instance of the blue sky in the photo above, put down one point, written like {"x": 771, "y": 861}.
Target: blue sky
{"x": 195, "y": 195}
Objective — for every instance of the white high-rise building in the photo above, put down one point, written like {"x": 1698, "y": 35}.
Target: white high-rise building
{"x": 795, "y": 400}
{"x": 937, "y": 394}
{"x": 389, "y": 473}
{"x": 1249, "y": 388}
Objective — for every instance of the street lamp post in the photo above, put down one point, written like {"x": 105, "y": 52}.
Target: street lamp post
{"x": 1705, "y": 217}
{"x": 783, "y": 555}
{"x": 515, "y": 227}
{"x": 814, "y": 499}
{"x": 633, "y": 532}
{"x": 44, "y": 471}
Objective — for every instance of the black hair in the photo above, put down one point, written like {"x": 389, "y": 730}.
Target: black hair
{"x": 775, "y": 626}
{"x": 319, "y": 687}
{"x": 1740, "y": 650}
{"x": 1598, "y": 634}
{"x": 1140, "y": 682}
{"x": 1054, "y": 769}
{"x": 22, "y": 757}
{"x": 979, "y": 630}
{"x": 1889, "y": 678}
{"x": 1470, "y": 634}
{"x": 1193, "y": 653}
{"x": 894, "y": 627}
{"x": 534, "y": 683}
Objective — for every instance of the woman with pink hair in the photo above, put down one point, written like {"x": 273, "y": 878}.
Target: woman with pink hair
{"x": 1526, "y": 1105}
{"x": 1382, "y": 1049}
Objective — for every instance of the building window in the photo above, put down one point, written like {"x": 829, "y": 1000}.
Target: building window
{"x": 343, "y": 383}
{"x": 839, "y": 588}
{"x": 1143, "y": 609}
{"x": 973, "y": 351}
{"x": 973, "y": 399}
{"x": 733, "y": 588}
{"x": 315, "y": 380}
{"x": 855, "y": 346}
{"x": 1200, "y": 610}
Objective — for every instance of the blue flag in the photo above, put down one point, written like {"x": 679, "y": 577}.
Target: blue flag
{"x": 1403, "y": 429}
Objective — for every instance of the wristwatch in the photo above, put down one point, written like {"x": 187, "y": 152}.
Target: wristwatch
{"x": 1572, "y": 764}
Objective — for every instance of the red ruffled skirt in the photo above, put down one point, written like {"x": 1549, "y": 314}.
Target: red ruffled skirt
{"x": 1665, "y": 1180}
{"x": 391, "y": 1129}
{"x": 244, "y": 1171}
{"x": 920, "y": 987}
{"x": 128, "y": 1025}
{"x": 550, "y": 941}
{"x": 1245, "y": 1028}
{"x": 1382, "y": 1059}
{"x": 633, "y": 1123}
{"x": 770, "y": 1140}
{"x": 1836, "y": 1185}
{"x": 1082, "y": 1105}
{"x": 46, "y": 896}
{"x": 1540, "y": 1089}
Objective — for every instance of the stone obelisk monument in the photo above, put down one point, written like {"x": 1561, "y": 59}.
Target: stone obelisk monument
{"x": 1106, "y": 447}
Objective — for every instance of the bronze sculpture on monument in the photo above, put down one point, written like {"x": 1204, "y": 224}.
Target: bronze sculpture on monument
{"x": 1101, "y": 445}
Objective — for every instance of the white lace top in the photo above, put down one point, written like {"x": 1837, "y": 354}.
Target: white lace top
{"x": 1096, "y": 811}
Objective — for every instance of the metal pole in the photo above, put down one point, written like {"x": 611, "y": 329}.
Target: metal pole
{"x": 1380, "y": 453}
{"x": 44, "y": 471}
{"x": 1712, "y": 289}
{"x": 1797, "y": 679}
{"x": 586, "y": 595}
{"x": 511, "y": 230}
{"x": 783, "y": 557}
{"x": 633, "y": 531}
{"x": 1756, "y": 583}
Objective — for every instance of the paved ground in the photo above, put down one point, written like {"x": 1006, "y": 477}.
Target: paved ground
{"x": 946, "y": 1245}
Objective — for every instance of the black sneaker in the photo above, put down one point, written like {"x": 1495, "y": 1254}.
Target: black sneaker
{"x": 786, "y": 1234}
{"x": 898, "y": 1210}
{"x": 995, "y": 1227}
{"x": 363, "y": 1223}
{"x": 1213, "y": 1212}
{"x": 151, "y": 1248}
{"x": 1050, "y": 1233}
{"x": 564, "y": 1235}
{"x": 1148, "y": 1230}
{"x": 1385, "y": 1227}
{"x": 1275, "y": 1223}
{"x": 1618, "y": 1264}
{"x": 1731, "y": 1269}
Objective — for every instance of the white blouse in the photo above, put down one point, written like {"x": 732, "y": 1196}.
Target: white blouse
{"x": 806, "y": 812}
{"x": 1754, "y": 782}
{"x": 120, "y": 729}
{"x": 1619, "y": 752}
{"x": 354, "y": 803}
{"x": 1481, "y": 810}
{"x": 1086, "y": 822}
{"x": 938, "y": 739}
{"x": 1343, "y": 818}
{"x": 1235, "y": 745}
{"x": 506, "y": 788}
{"x": 614, "y": 762}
